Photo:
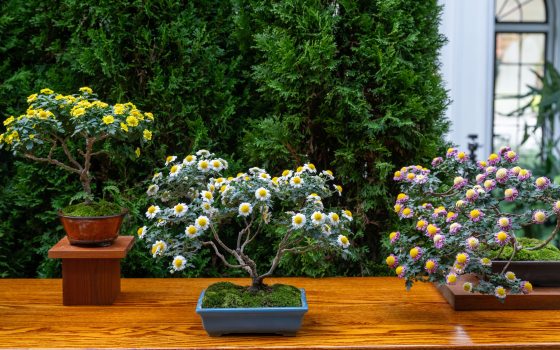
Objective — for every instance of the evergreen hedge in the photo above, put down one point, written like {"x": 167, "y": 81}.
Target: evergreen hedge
{"x": 349, "y": 85}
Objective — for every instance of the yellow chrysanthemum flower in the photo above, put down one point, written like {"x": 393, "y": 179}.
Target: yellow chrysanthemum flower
{"x": 124, "y": 127}
{"x": 108, "y": 119}
{"x": 86, "y": 89}
{"x": 131, "y": 121}
{"x": 147, "y": 134}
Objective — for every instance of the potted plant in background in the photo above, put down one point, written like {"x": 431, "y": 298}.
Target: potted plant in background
{"x": 457, "y": 217}
{"x": 193, "y": 208}
{"x": 68, "y": 131}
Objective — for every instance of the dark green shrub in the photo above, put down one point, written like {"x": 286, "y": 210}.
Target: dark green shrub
{"x": 350, "y": 85}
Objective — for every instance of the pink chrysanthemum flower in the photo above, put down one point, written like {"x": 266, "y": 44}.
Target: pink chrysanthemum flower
{"x": 524, "y": 174}
{"x": 432, "y": 230}
{"x": 400, "y": 271}
{"x": 489, "y": 185}
{"x": 515, "y": 170}
{"x": 481, "y": 164}
{"x": 480, "y": 178}
{"x": 526, "y": 287}
{"x": 511, "y": 194}
{"x": 398, "y": 208}
{"x": 503, "y": 150}
{"x": 402, "y": 198}
{"x": 416, "y": 253}
{"x": 490, "y": 170}
{"x": 471, "y": 195}
{"x": 504, "y": 223}
{"x": 556, "y": 207}
{"x": 459, "y": 182}
{"x": 500, "y": 292}
{"x": 427, "y": 206}
{"x": 421, "y": 179}
{"x": 437, "y": 161}
{"x": 539, "y": 217}
{"x": 451, "y": 216}
{"x": 451, "y": 278}
{"x": 431, "y": 266}
{"x": 459, "y": 269}
{"x": 476, "y": 215}
{"x": 460, "y": 203}
{"x": 511, "y": 156}
{"x": 421, "y": 225}
{"x": 472, "y": 243}
{"x": 493, "y": 159}
{"x": 502, "y": 238}
{"x": 486, "y": 262}
{"x": 451, "y": 152}
{"x": 461, "y": 157}
{"x": 439, "y": 211}
{"x": 398, "y": 176}
{"x": 462, "y": 258}
{"x": 502, "y": 175}
{"x": 439, "y": 241}
{"x": 455, "y": 227}
{"x": 394, "y": 236}
{"x": 392, "y": 261}
{"x": 542, "y": 182}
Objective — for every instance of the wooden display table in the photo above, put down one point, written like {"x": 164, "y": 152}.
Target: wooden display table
{"x": 344, "y": 313}
{"x": 91, "y": 275}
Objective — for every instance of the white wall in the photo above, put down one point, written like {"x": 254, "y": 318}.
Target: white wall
{"x": 466, "y": 66}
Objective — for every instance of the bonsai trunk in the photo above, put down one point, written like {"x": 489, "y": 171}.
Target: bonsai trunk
{"x": 257, "y": 285}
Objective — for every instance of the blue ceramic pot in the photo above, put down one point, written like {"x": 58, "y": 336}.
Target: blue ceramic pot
{"x": 276, "y": 320}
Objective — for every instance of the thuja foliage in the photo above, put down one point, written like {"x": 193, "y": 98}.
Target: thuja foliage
{"x": 351, "y": 85}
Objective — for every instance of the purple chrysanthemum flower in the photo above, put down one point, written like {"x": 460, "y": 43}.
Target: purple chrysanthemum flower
{"x": 459, "y": 269}
{"x": 503, "y": 150}
{"x": 431, "y": 266}
{"x": 394, "y": 236}
{"x": 427, "y": 206}
{"x": 524, "y": 174}
{"x": 459, "y": 182}
{"x": 542, "y": 183}
{"x": 504, "y": 223}
{"x": 439, "y": 241}
{"x": 481, "y": 164}
{"x": 402, "y": 198}
{"x": 451, "y": 152}
{"x": 451, "y": 216}
{"x": 462, "y": 258}
{"x": 471, "y": 195}
{"x": 461, "y": 157}
{"x": 401, "y": 271}
{"x": 511, "y": 194}
{"x": 502, "y": 175}
{"x": 392, "y": 261}
{"x": 416, "y": 253}
{"x": 439, "y": 211}
{"x": 437, "y": 161}
{"x": 556, "y": 207}
{"x": 476, "y": 215}
{"x": 406, "y": 213}
{"x": 480, "y": 178}
{"x": 539, "y": 217}
{"x": 526, "y": 287}
{"x": 455, "y": 227}
{"x": 473, "y": 243}
{"x": 502, "y": 238}
{"x": 511, "y": 156}
{"x": 515, "y": 170}
{"x": 490, "y": 169}
{"x": 421, "y": 179}
{"x": 494, "y": 159}
{"x": 489, "y": 185}
{"x": 421, "y": 225}
{"x": 451, "y": 278}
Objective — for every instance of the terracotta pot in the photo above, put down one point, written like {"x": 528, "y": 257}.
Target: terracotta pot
{"x": 93, "y": 230}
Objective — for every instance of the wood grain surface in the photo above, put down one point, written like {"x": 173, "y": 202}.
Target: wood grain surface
{"x": 375, "y": 313}
{"x": 64, "y": 250}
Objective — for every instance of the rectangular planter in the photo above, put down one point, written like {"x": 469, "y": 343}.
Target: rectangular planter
{"x": 285, "y": 321}
{"x": 539, "y": 273}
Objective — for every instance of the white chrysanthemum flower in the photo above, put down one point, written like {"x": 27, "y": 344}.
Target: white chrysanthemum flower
{"x": 262, "y": 194}
{"x": 256, "y": 170}
{"x": 326, "y": 230}
{"x": 157, "y": 177}
{"x": 203, "y": 153}
{"x": 334, "y": 218}
{"x": 191, "y": 231}
{"x": 207, "y": 196}
{"x": 343, "y": 241}
{"x": 216, "y": 164}
{"x": 142, "y": 231}
{"x": 347, "y": 214}
{"x": 298, "y": 221}
{"x": 152, "y": 211}
{"x": 245, "y": 209}
{"x": 317, "y": 218}
{"x": 296, "y": 181}
{"x": 202, "y": 222}
{"x": 286, "y": 174}
{"x": 180, "y": 209}
{"x": 189, "y": 160}
{"x": 152, "y": 190}
{"x": 264, "y": 177}
{"x": 310, "y": 167}
{"x": 161, "y": 223}
{"x": 313, "y": 197}
{"x": 338, "y": 189}
{"x": 204, "y": 166}
{"x": 179, "y": 263}
{"x": 170, "y": 159}
{"x": 206, "y": 207}
{"x": 158, "y": 248}
{"x": 328, "y": 174}
{"x": 175, "y": 169}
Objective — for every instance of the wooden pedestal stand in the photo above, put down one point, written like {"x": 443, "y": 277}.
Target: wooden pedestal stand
{"x": 91, "y": 275}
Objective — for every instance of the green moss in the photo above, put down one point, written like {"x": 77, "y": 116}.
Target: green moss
{"x": 101, "y": 208}
{"x": 548, "y": 253}
{"x": 229, "y": 295}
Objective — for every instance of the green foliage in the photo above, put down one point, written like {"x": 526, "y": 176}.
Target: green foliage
{"x": 351, "y": 85}
{"x": 548, "y": 253}
{"x": 101, "y": 208}
{"x": 228, "y": 295}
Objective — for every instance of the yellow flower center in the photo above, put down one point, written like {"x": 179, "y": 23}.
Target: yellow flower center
{"x": 509, "y": 192}
{"x": 392, "y": 235}
{"x": 410, "y": 176}
{"x": 216, "y": 163}
{"x": 178, "y": 263}
{"x": 140, "y": 231}
{"x": 432, "y": 229}
{"x": 204, "y": 164}
{"x": 297, "y": 180}
{"x": 414, "y": 252}
{"x": 493, "y": 157}
{"x": 174, "y": 169}
{"x": 401, "y": 196}
{"x": 475, "y": 213}
{"x": 191, "y": 230}
{"x": 470, "y": 193}
{"x": 406, "y": 211}
{"x": 208, "y": 195}
{"x": 169, "y": 159}
{"x": 399, "y": 270}
{"x": 461, "y": 258}
{"x": 262, "y": 192}
{"x": 344, "y": 240}
{"x": 318, "y": 216}
{"x": 430, "y": 265}
{"x": 338, "y": 188}
{"x": 421, "y": 224}
{"x": 152, "y": 209}
{"x": 202, "y": 221}
{"x": 461, "y": 155}
{"x": 398, "y": 207}
{"x": 451, "y": 278}
{"x": 540, "y": 216}
{"x": 298, "y": 219}
{"x": 335, "y": 217}
{"x": 523, "y": 172}
{"x": 504, "y": 222}
{"x": 285, "y": 173}
{"x": 397, "y": 174}
{"x": 541, "y": 181}
{"x": 299, "y": 169}
{"x": 528, "y": 286}
{"x": 502, "y": 236}
{"x": 245, "y": 208}
{"x": 348, "y": 213}
{"x": 501, "y": 291}
{"x": 179, "y": 208}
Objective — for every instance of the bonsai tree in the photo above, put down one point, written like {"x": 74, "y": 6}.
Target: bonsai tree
{"x": 193, "y": 204}
{"x": 68, "y": 131}
{"x": 455, "y": 215}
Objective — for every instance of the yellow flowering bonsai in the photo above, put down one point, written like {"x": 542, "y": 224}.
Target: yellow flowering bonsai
{"x": 194, "y": 204}
{"x": 458, "y": 214}
{"x": 67, "y": 131}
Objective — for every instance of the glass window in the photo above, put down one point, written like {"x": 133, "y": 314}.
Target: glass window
{"x": 521, "y": 11}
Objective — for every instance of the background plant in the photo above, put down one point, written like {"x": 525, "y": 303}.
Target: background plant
{"x": 353, "y": 85}
{"x": 453, "y": 216}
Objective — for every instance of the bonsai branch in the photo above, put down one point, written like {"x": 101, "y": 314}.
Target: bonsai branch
{"x": 53, "y": 161}
{"x": 514, "y": 245}
{"x": 220, "y": 255}
{"x": 67, "y": 151}
{"x": 550, "y": 238}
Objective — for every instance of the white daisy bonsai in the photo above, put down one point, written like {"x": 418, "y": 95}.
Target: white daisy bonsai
{"x": 192, "y": 203}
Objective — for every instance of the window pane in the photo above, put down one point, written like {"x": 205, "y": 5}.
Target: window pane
{"x": 521, "y": 11}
